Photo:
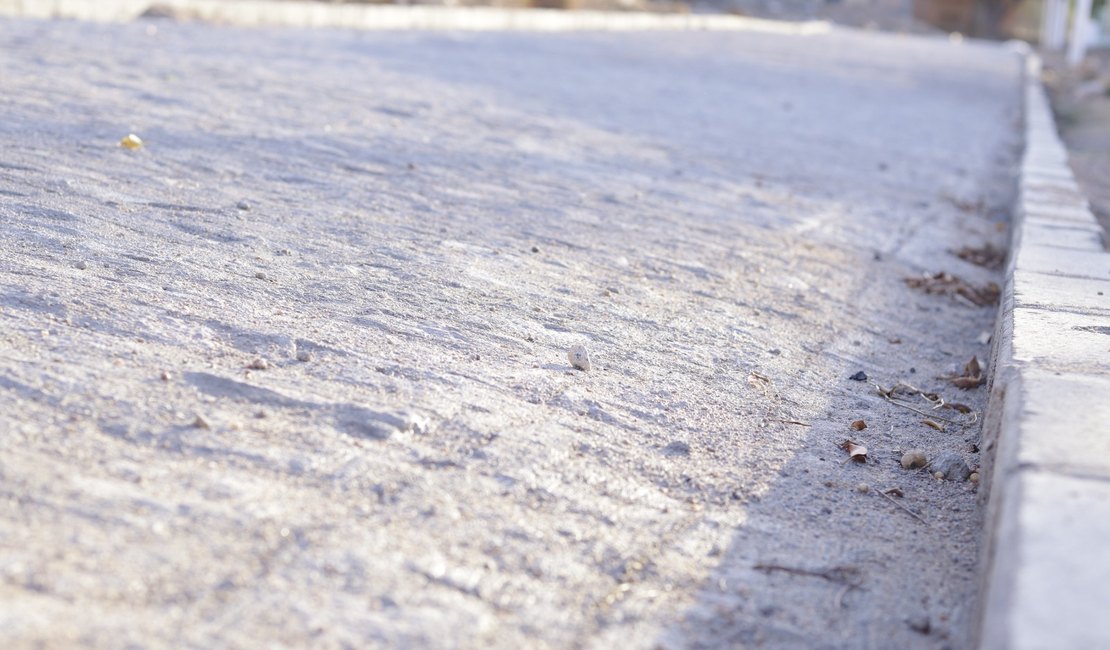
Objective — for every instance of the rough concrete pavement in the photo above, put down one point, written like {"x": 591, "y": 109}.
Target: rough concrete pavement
{"x": 726, "y": 220}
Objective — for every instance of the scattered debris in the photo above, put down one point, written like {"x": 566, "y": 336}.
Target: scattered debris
{"x": 986, "y": 256}
{"x": 920, "y": 624}
{"x": 856, "y": 452}
{"x": 934, "y": 425}
{"x": 902, "y": 507}
{"x": 131, "y": 141}
{"x": 579, "y": 357}
{"x": 914, "y": 459}
{"x": 894, "y": 492}
{"x": 259, "y": 363}
{"x": 972, "y": 376}
{"x": 946, "y": 284}
{"x": 859, "y": 376}
{"x": 893, "y": 395}
{"x": 676, "y": 448}
{"x": 849, "y": 575}
{"x": 951, "y": 466}
{"x": 964, "y": 205}
{"x": 201, "y": 423}
{"x": 859, "y": 425}
{"x": 962, "y": 408}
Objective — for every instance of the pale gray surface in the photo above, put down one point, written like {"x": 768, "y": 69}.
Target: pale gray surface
{"x": 1046, "y": 570}
{"x": 705, "y": 206}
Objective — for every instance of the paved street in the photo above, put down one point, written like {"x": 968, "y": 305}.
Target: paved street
{"x": 294, "y": 372}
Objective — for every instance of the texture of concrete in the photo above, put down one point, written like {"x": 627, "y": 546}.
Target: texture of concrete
{"x": 294, "y": 372}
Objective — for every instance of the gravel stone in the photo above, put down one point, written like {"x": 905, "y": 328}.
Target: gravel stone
{"x": 951, "y": 466}
{"x": 914, "y": 459}
{"x": 579, "y": 357}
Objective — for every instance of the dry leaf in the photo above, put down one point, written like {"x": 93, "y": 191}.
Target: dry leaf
{"x": 932, "y": 424}
{"x": 962, "y": 408}
{"x": 859, "y": 425}
{"x": 972, "y": 377}
{"x": 946, "y": 284}
{"x": 855, "y": 451}
{"x": 986, "y": 256}
{"x": 894, "y": 492}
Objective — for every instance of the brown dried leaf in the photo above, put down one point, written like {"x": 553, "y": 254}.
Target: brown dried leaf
{"x": 986, "y": 256}
{"x": 856, "y": 452}
{"x": 932, "y": 424}
{"x": 962, "y": 408}
{"x": 859, "y": 425}
{"x": 967, "y": 383}
{"x": 972, "y": 377}
{"x": 946, "y": 284}
{"x": 894, "y": 492}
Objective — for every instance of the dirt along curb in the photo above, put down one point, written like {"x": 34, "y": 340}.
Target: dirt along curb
{"x": 1046, "y": 572}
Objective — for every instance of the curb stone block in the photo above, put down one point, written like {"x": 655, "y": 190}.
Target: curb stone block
{"x": 1062, "y": 341}
{"x": 1080, "y": 238}
{"x": 1045, "y": 568}
{"x": 1032, "y": 289}
{"x": 1045, "y": 258}
{"x": 1052, "y": 403}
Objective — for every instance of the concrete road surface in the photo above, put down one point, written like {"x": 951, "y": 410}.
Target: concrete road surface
{"x": 294, "y": 372}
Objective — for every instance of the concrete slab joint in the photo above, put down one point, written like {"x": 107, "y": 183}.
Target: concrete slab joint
{"x": 1046, "y": 574}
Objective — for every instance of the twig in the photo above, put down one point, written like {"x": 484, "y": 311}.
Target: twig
{"x": 838, "y": 602}
{"x": 844, "y": 575}
{"x": 801, "y": 424}
{"x": 920, "y": 412}
{"x": 907, "y": 510}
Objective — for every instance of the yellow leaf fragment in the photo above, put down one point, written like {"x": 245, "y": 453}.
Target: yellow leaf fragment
{"x": 131, "y": 141}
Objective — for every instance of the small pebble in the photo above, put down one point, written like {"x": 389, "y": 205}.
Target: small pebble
{"x": 914, "y": 459}
{"x": 974, "y": 478}
{"x": 260, "y": 275}
{"x": 165, "y": 376}
{"x": 952, "y": 466}
{"x": 82, "y": 265}
{"x": 579, "y": 357}
{"x": 304, "y": 356}
{"x": 920, "y": 624}
{"x": 259, "y": 364}
{"x": 535, "y": 249}
{"x": 201, "y": 423}
{"x": 863, "y": 488}
{"x": 676, "y": 448}
{"x": 859, "y": 376}
{"x": 938, "y": 476}
{"x": 243, "y": 205}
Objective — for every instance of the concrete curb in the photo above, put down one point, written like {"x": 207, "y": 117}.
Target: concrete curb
{"x": 1046, "y": 570}
{"x": 251, "y": 13}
